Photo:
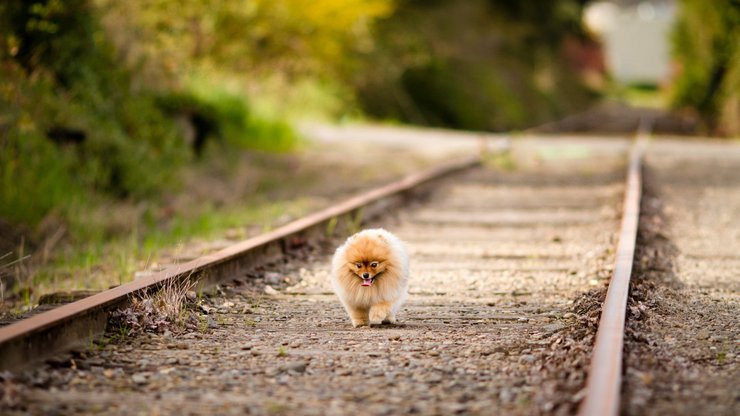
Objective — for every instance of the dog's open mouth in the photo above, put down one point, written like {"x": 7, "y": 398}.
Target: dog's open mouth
{"x": 368, "y": 282}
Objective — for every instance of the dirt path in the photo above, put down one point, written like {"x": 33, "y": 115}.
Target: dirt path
{"x": 499, "y": 319}
{"x": 683, "y": 339}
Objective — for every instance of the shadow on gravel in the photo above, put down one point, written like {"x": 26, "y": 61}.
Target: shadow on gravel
{"x": 563, "y": 366}
{"x": 653, "y": 276}
{"x": 668, "y": 359}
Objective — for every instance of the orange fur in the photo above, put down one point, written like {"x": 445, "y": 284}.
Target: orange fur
{"x": 381, "y": 257}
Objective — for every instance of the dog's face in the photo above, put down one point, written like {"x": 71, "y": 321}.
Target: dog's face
{"x": 368, "y": 270}
{"x": 367, "y": 257}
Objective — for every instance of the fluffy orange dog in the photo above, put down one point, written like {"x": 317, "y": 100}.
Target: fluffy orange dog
{"x": 370, "y": 274}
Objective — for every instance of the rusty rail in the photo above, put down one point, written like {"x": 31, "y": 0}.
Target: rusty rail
{"x": 604, "y": 381}
{"x": 63, "y": 328}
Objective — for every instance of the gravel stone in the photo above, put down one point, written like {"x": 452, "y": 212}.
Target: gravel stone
{"x": 527, "y": 359}
{"x": 297, "y": 367}
{"x": 488, "y": 283}
{"x": 140, "y": 378}
{"x": 684, "y": 318}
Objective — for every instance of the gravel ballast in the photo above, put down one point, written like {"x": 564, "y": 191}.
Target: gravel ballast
{"x": 682, "y": 353}
{"x": 508, "y": 269}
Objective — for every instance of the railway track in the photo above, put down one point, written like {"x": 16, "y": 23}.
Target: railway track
{"x": 508, "y": 273}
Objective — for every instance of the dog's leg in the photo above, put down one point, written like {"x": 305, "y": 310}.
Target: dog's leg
{"x": 358, "y": 316}
{"x": 380, "y": 313}
{"x": 392, "y": 311}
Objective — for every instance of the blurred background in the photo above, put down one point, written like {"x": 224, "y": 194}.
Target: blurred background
{"x": 130, "y": 127}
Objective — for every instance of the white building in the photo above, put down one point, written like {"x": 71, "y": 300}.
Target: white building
{"x": 636, "y": 38}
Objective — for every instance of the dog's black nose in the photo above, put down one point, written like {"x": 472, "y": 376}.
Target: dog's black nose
{"x": 366, "y": 275}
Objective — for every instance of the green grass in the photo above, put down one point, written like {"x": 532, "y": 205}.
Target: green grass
{"x": 240, "y": 125}
{"x": 641, "y": 95}
{"x": 101, "y": 262}
{"x": 500, "y": 160}
{"x": 105, "y": 196}
{"x": 33, "y": 179}
{"x": 209, "y": 223}
{"x": 638, "y": 96}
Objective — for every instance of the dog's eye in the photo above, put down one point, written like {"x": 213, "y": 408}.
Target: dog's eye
{"x": 374, "y": 264}
{"x": 358, "y": 265}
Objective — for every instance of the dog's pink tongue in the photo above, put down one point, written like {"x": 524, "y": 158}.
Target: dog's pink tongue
{"x": 367, "y": 282}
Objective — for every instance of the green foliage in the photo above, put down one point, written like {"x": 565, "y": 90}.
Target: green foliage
{"x": 218, "y": 115}
{"x": 25, "y": 196}
{"x": 475, "y": 65}
{"x": 109, "y": 139}
{"x": 74, "y": 128}
{"x": 239, "y": 126}
{"x": 705, "y": 43}
{"x": 51, "y": 34}
{"x": 33, "y": 176}
{"x": 292, "y": 37}
{"x": 464, "y": 96}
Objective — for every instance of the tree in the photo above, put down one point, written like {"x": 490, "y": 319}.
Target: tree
{"x": 705, "y": 45}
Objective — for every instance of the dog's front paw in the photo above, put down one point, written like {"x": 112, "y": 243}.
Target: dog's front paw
{"x": 376, "y": 319}
{"x": 379, "y": 313}
{"x": 390, "y": 320}
{"x": 357, "y": 324}
{"x": 376, "y": 322}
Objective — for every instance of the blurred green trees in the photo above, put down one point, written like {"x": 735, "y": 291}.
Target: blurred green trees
{"x": 242, "y": 37}
{"x": 477, "y": 64}
{"x": 706, "y": 44}
{"x": 109, "y": 99}
{"x": 71, "y": 123}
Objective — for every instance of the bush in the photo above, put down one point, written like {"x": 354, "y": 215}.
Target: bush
{"x": 72, "y": 124}
{"x": 476, "y": 65}
{"x": 705, "y": 43}
{"x": 217, "y": 114}
{"x": 34, "y": 174}
{"x": 34, "y": 179}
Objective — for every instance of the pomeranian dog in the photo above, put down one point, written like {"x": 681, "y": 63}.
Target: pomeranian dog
{"x": 370, "y": 274}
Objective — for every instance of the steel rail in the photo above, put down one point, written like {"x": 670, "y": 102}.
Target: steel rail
{"x": 73, "y": 324}
{"x": 604, "y": 380}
